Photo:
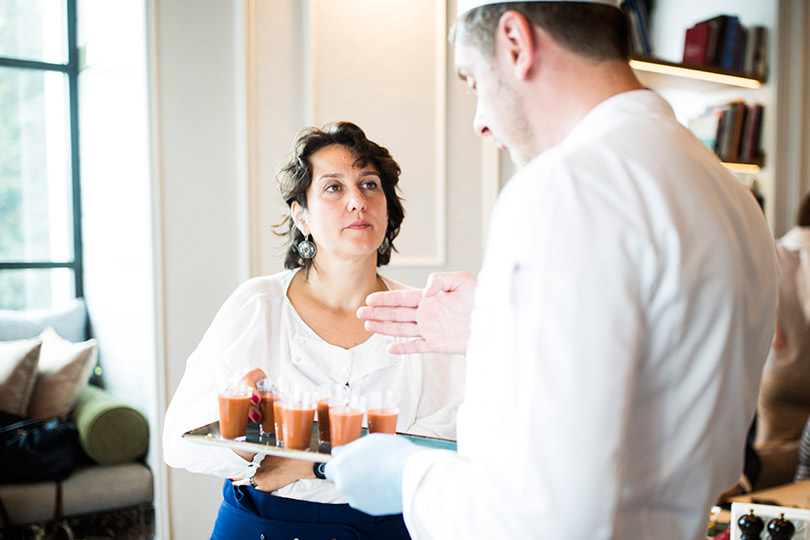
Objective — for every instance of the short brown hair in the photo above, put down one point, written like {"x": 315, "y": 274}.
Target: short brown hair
{"x": 295, "y": 176}
{"x": 595, "y": 31}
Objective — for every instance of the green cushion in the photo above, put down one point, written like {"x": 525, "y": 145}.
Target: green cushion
{"x": 110, "y": 431}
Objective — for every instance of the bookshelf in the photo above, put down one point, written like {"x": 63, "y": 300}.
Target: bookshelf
{"x": 657, "y": 73}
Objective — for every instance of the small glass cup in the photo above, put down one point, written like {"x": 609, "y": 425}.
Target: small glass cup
{"x": 325, "y": 393}
{"x": 280, "y": 392}
{"x": 383, "y": 411}
{"x": 267, "y": 424}
{"x": 234, "y": 407}
{"x": 346, "y": 418}
{"x": 298, "y": 412}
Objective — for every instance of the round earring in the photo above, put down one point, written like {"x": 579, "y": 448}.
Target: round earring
{"x": 384, "y": 247}
{"x": 306, "y": 248}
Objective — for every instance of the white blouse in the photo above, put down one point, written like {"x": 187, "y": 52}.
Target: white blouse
{"x": 258, "y": 327}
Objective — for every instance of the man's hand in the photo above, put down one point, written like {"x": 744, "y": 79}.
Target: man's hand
{"x": 277, "y": 472}
{"x": 368, "y": 472}
{"x": 438, "y": 315}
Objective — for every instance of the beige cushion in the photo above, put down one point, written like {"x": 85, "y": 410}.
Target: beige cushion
{"x": 64, "y": 369}
{"x": 89, "y": 490}
{"x": 18, "y": 372}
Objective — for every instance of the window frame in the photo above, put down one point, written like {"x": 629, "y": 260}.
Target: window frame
{"x": 71, "y": 69}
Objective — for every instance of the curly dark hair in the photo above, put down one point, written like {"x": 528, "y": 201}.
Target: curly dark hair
{"x": 295, "y": 176}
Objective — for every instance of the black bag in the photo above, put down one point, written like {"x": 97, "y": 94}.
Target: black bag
{"x": 34, "y": 450}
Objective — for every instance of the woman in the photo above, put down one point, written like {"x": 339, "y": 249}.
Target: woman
{"x": 784, "y": 394}
{"x": 301, "y": 324}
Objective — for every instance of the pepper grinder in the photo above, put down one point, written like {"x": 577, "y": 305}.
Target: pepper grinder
{"x": 751, "y": 526}
{"x": 781, "y": 528}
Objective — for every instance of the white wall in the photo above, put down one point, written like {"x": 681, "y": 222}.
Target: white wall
{"x": 419, "y": 110}
{"x": 200, "y": 179}
{"x": 117, "y": 205}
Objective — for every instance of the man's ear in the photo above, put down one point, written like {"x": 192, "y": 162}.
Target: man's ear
{"x": 297, "y": 214}
{"x": 515, "y": 43}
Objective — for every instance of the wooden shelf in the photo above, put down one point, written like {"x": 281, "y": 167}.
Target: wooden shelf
{"x": 743, "y": 168}
{"x": 657, "y": 73}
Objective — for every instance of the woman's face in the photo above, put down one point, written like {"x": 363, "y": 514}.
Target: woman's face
{"x": 346, "y": 208}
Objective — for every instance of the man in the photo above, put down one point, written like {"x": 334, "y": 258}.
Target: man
{"x": 622, "y": 315}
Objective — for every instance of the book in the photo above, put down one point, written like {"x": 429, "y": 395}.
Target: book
{"x": 750, "y": 45}
{"x": 729, "y": 42}
{"x": 696, "y": 43}
{"x": 739, "y": 49}
{"x": 705, "y": 125}
{"x": 636, "y": 44}
{"x": 717, "y": 27}
{"x": 640, "y": 37}
{"x": 751, "y": 134}
{"x": 739, "y": 114}
{"x": 759, "y": 67}
{"x": 724, "y": 112}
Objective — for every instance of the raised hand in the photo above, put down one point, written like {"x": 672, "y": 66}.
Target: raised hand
{"x": 438, "y": 315}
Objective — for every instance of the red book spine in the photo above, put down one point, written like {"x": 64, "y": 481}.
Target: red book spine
{"x": 695, "y": 45}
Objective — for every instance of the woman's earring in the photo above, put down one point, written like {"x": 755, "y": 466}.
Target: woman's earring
{"x": 384, "y": 247}
{"x": 306, "y": 248}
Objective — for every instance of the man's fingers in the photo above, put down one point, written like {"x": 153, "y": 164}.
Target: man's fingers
{"x": 406, "y": 298}
{"x": 396, "y": 314}
{"x": 447, "y": 282}
{"x": 388, "y": 328}
{"x": 410, "y": 347}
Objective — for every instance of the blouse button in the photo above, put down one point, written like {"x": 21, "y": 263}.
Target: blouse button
{"x": 345, "y": 368}
{"x": 297, "y": 360}
{"x": 395, "y": 360}
{"x": 300, "y": 340}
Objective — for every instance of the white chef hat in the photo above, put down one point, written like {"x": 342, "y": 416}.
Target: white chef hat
{"x": 463, "y": 6}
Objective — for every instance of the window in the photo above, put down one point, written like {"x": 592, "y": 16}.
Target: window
{"x": 40, "y": 229}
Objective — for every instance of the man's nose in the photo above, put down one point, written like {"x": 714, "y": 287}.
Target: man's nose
{"x": 479, "y": 125}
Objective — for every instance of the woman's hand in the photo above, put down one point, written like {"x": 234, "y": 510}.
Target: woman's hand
{"x": 277, "y": 472}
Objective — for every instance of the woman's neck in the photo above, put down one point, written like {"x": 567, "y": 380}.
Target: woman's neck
{"x": 344, "y": 285}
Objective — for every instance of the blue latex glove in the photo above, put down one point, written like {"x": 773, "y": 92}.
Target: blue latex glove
{"x": 368, "y": 472}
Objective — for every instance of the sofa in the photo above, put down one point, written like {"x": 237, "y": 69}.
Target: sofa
{"x": 49, "y": 368}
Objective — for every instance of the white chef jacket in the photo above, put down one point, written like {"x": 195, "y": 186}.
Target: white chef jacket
{"x": 623, "y": 314}
{"x": 258, "y": 327}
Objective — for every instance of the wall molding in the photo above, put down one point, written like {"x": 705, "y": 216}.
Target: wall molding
{"x": 439, "y": 257}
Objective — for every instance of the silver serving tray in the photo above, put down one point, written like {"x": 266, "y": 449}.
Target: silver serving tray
{"x": 266, "y": 444}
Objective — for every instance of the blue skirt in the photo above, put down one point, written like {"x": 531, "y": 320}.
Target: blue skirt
{"x": 247, "y": 513}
